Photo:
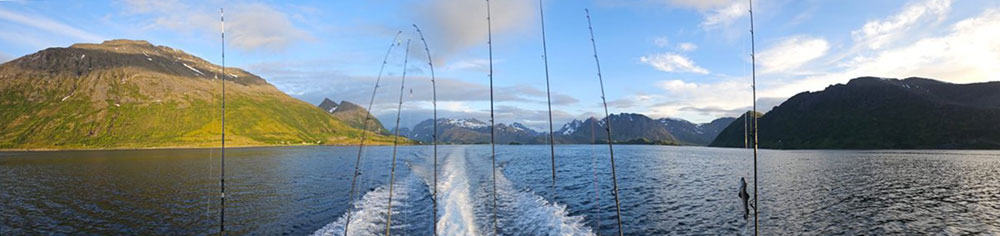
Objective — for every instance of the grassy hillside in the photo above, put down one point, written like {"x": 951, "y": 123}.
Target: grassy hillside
{"x": 130, "y": 94}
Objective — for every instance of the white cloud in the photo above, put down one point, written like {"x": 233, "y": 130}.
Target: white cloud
{"x": 878, "y": 33}
{"x": 791, "y": 53}
{"x": 257, "y": 25}
{"x": 455, "y": 25}
{"x": 481, "y": 65}
{"x": 661, "y": 42}
{"x": 676, "y": 86}
{"x": 715, "y": 12}
{"x": 249, "y": 26}
{"x": 672, "y": 62}
{"x": 968, "y": 53}
{"x": 50, "y": 25}
{"x": 725, "y": 15}
{"x": 702, "y": 102}
{"x": 699, "y": 4}
{"x": 687, "y": 47}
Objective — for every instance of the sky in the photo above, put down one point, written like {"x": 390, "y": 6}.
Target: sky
{"x": 685, "y": 59}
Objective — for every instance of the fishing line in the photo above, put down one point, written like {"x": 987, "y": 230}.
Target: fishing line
{"x": 753, "y": 61}
{"x": 364, "y": 130}
{"x": 548, "y": 95}
{"x": 493, "y": 147}
{"x": 395, "y": 139}
{"x": 607, "y": 117}
{"x": 430, "y": 64}
{"x": 222, "y": 167}
{"x": 597, "y": 189}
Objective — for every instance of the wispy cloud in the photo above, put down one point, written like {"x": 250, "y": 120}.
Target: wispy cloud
{"x": 672, "y": 62}
{"x": 715, "y": 13}
{"x": 700, "y": 4}
{"x": 314, "y": 85}
{"x": 967, "y": 53}
{"x": 661, "y": 41}
{"x": 249, "y": 26}
{"x": 877, "y": 33}
{"x": 49, "y": 25}
{"x": 895, "y": 46}
{"x": 681, "y": 97}
{"x": 791, "y": 53}
{"x": 687, "y": 47}
{"x": 456, "y": 25}
{"x": 725, "y": 15}
{"x": 481, "y": 65}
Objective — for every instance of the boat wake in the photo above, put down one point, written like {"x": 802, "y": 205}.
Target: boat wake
{"x": 530, "y": 214}
{"x": 464, "y": 205}
{"x": 456, "y": 206}
{"x": 369, "y": 213}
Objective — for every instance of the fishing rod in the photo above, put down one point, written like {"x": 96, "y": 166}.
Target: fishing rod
{"x": 548, "y": 95}
{"x": 430, "y": 63}
{"x": 753, "y": 61}
{"x": 395, "y": 139}
{"x": 611, "y": 149}
{"x": 222, "y": 166}
{"x": 364, "y": 129}
{"x": 493, "y": 146}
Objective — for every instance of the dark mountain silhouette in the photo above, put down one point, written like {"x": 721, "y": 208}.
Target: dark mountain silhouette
{"x": 734, "y": 136}
{"x": 696, "y": 134}
{"x": 879, "y": 113}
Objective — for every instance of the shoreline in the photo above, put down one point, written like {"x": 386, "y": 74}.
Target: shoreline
{"x": 443, "y": 144}
{"x": 168, "y": 148}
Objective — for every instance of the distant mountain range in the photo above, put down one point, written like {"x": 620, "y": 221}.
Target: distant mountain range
{"x": 696, "y": 134}
{"x": 132, "y": 94}
{"x": 879, "y": 113}
{"x": 627, "y": 128}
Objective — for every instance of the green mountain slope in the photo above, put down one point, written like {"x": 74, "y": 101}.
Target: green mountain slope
{"x": 131, "y": 94}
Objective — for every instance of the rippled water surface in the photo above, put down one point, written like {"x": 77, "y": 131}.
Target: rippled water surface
{"x": 663, "y": 190}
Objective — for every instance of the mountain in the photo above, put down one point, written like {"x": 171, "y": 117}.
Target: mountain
{"x": 626, "y": 128}
{"x": 470, "y": 131}
{"x": 696, "y": 134}
{"x": 734, "y": 136}
{"x": 328, "y": 105}
{"x": 352, "y": 115}
{"x": 132, "y": 94}
{"x": 879, "y": 113}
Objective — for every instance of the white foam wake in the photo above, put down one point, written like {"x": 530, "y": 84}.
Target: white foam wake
{"x": 456, "y": 209}
{"x": 369, "y": 215}
{"x": 531, "y": 214}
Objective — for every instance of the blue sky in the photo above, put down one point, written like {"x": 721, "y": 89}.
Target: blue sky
{"x": 686, "y": 59}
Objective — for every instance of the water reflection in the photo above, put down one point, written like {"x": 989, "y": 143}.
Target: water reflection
{"x": 664, "y": 190}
